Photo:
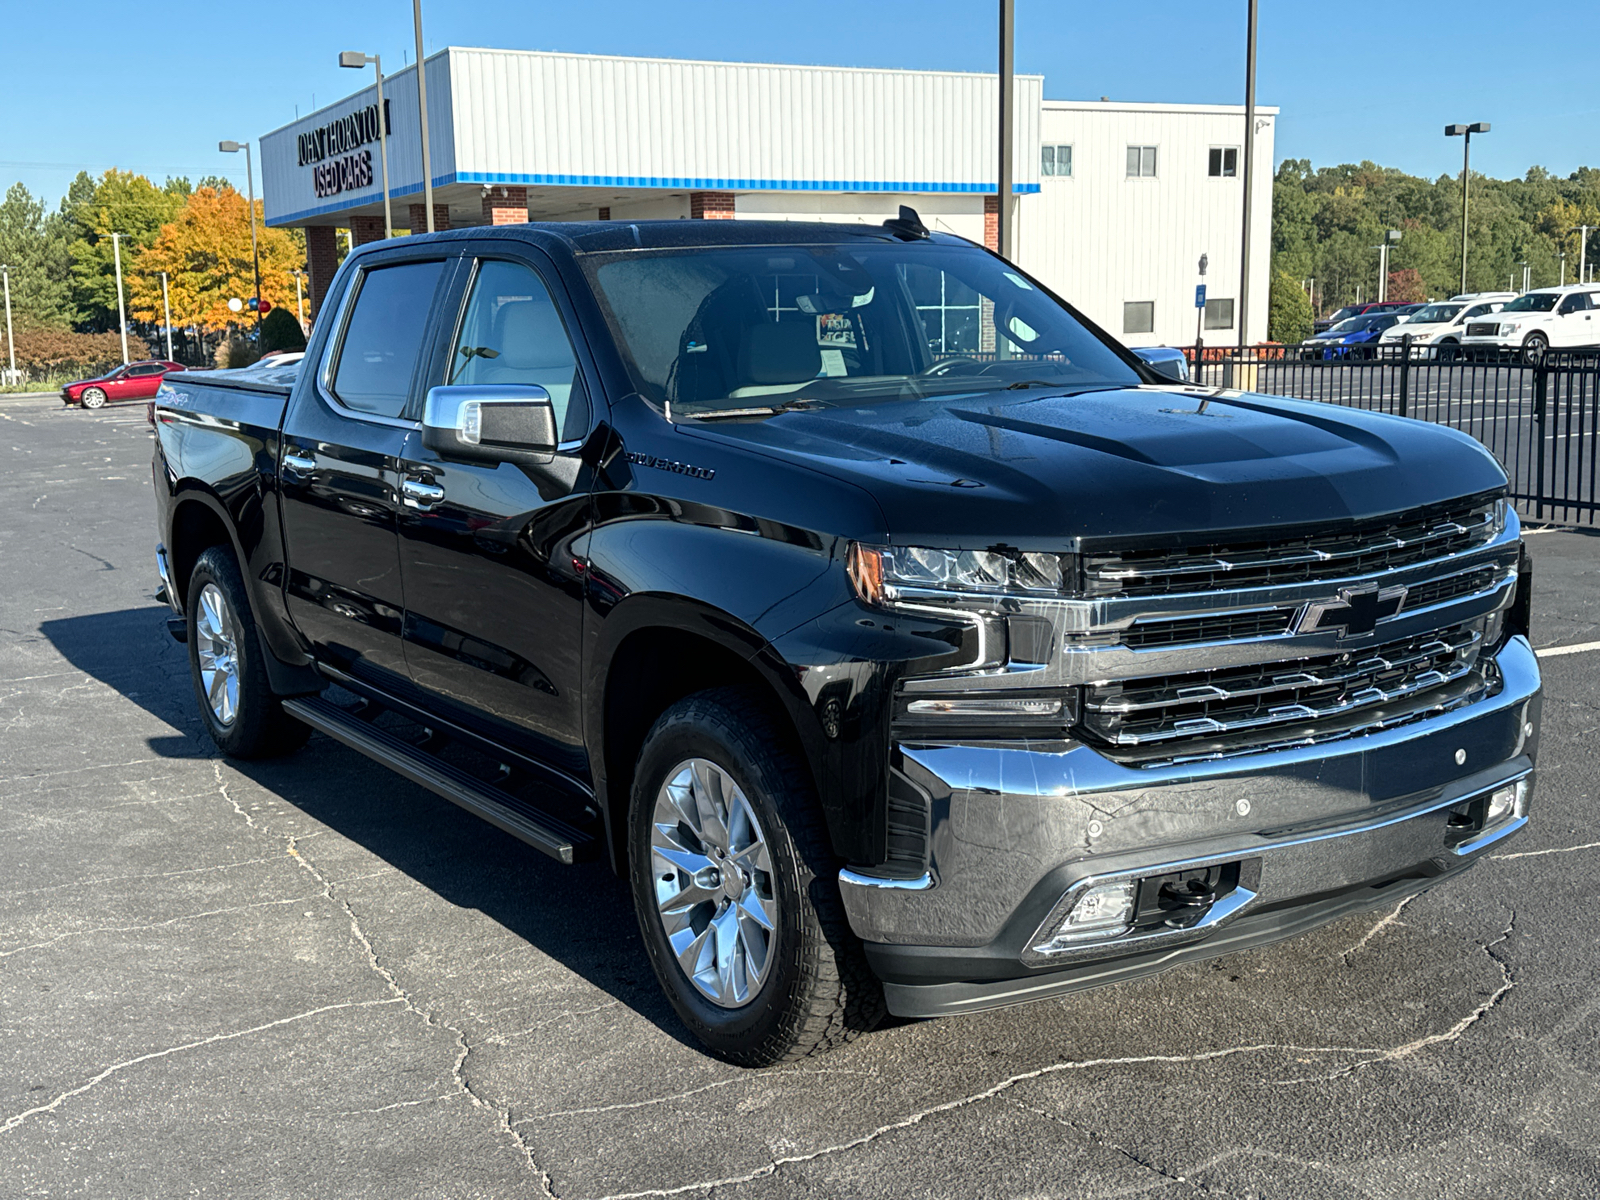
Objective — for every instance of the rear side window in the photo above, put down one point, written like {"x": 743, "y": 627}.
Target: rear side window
{"x": 384, "y": 337}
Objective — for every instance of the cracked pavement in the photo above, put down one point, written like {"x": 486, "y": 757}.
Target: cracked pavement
{"x": 309, "y": 978}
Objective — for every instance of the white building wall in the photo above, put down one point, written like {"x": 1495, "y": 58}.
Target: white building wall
{"x": 1099, "y": 238}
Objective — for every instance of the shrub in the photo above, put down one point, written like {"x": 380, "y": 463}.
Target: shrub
{"x": 280, "y": 331}
{"x": 1288, "y": 311}
{"x": 234, "y": 351}
{"x": 60, "y": 353}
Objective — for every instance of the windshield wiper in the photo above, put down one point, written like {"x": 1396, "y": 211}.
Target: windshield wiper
{"x": 1020, "y": 384}
{"x": 765, "y": 410}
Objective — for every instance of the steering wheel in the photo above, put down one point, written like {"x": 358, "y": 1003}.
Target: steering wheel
{"x": 949, "y": 366}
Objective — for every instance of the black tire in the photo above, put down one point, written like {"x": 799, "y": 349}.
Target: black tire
{"x": 1449, "y": 351}
{"x": 92, "y": 398}
{"x": 259, "y": 727}
{"x": 820, "y": 992}
{"x": 1534, "y": 349}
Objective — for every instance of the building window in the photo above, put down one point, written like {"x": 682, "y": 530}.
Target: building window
{"x": 951, "y": 311}
{"x": 1141, "y": 162}
{"x": 1139, "y": 316}
{"x": 1219, "y": 314}
{"x": 1055, "y": 160}
{"x": 1224, "y": 163}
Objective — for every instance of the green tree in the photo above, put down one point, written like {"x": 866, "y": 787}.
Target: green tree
{"x": 1288, "y": 310}
{"x": 35, "y": 247}
{"x": 281, "y": 331}
{"x": 119, "y": 202}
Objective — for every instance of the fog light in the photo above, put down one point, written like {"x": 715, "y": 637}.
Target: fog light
{"x": 1507, "y": 802}
{"x": 1103, "y": 911}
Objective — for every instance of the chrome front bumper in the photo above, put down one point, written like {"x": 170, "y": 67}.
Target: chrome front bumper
{"x": 1018, "y": 826}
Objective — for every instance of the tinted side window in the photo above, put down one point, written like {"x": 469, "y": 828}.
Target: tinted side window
{"x": 513, "y": 335}
{"x": 384, "y": 337}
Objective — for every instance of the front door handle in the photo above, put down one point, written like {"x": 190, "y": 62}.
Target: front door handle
{"x": 416, "y": 494}
{"x": 298, "y": 464}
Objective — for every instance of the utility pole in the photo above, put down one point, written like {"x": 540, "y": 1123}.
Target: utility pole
{"x": 166, "y": 309}
{"x": 1006, "y": 224}
{"x": 422, "y": 109}
{"x": 11, "y": 341}
{"x": 1465, "y": 132}
{"x": 1249, "y": 172}
{"x": 122, "y": 312}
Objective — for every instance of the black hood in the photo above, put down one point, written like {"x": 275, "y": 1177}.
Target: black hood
{"x": 1035, "y": 470}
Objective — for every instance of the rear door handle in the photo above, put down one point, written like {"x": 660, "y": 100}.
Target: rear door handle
{"x": 298, "y": 464}
{"x": 416, "y": 494}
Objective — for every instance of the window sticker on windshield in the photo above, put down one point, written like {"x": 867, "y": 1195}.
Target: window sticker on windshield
{"x": 833, "y": 363}
{"x": 1018, "y": 280}
{"x": 836, "y": 329}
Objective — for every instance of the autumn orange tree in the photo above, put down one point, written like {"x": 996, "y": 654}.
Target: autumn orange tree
{"x": 206, "y": 254}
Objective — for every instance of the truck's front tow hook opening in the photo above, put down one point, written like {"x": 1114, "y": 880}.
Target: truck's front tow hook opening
{"x": 1182, "y": 899}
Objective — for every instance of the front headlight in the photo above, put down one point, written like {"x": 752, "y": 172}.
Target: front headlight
{"x": 971, "y": 578}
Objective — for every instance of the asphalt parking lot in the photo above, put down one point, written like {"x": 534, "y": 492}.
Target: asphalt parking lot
{"x": 311, "y": 979}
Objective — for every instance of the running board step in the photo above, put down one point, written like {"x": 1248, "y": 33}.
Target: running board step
{"x": 555, "y": 837}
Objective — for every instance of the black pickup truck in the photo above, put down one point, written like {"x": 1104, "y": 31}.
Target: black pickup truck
{"x": 902, "y": 639}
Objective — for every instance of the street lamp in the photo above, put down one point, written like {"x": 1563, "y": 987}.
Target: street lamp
{"x": 1383, "y": 263}
{"x": 255, "y": 254}
{"x": 355, "y": 60}
{"x": 122, "y": 312}
{"x": 1524, "y": 265}
{"x": 1465, "y": 132}
{"x": 11, "y": 341}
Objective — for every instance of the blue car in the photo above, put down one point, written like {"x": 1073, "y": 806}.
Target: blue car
{"x": 1356, "y": 337}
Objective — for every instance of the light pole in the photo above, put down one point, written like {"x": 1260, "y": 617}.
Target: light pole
{"x": 122, "y": 312}
{"x": 11, "y": 341}
{"x": 1524, "y": 265}
{"x": 1383, "y": 263}
{"x": 422, "y": 112}
{"x": 356, "y": 60}
{"x": 1249, "y": 170}
{"x": 255, "y": 254}
{"x": 1465, "y": 132}
{"x": 1563, "y": 266}
{"x": 299, "y": 299}
{"x": 1005, "y": 225}
{"x": 166, "y": 309}
{"x": 1583, "y": 250}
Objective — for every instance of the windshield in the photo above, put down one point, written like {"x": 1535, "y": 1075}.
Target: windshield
{"x": 727, "y": 329}
{"x": 1434, "y": 314}
{"x": 1355, "y": 325}
{"x": 1348, "y": 310}
{"x": 1533, "y": 302}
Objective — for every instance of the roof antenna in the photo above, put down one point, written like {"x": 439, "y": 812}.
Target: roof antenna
{"x": 908, "y": 227}
{"x": 667, "y": 404}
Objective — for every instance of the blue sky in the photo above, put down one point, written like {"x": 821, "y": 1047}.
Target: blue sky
{"x": 154, "y": 87}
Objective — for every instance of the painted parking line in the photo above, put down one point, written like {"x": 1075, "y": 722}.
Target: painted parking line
{"x": 1578, "y": 648}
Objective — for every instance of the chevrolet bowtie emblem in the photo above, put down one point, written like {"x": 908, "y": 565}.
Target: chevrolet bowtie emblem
{"x": 1355, "y": 613}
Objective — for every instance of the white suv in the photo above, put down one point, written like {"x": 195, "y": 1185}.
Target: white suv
{"x": 1436, "y": 330}
{"x": 1561, "y": 318}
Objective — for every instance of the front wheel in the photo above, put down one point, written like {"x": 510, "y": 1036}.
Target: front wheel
{"x": 93, "y": 398}
{"x": 736, "y": 887}
{"x": 1535, "y": 348}
{"x": 240, "y": 712}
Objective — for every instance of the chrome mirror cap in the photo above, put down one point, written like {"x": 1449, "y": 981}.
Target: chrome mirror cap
{"x": 490, "y": 423}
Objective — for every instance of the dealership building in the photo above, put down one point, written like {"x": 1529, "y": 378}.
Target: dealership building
{"x": 1116, "y": 202}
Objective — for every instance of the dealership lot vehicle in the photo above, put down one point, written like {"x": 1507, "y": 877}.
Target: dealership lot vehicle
{"x": 1436, "y": 330}
{"x": 889, "y": 677}
{"x": 1373, "y": 308}
{"x": 1355, "y": 337}
{"x": 1559, "y": 318}
{"x": 135, "y": 381}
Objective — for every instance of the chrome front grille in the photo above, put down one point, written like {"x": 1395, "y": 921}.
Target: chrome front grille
{"x": 1259, "y": 702}
{"x": 1370, "y": 546}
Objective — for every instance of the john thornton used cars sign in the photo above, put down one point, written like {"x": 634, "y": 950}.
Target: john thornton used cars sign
{"x": 333, "y": 150}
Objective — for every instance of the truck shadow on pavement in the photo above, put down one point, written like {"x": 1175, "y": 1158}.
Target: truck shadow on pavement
{"x": 580, "y": 916}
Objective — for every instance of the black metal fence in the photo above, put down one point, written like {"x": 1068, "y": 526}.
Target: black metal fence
{"x": 1541, "y": 419}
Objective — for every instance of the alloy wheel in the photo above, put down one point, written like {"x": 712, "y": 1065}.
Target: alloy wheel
{"x": 714, "y": 888}
{"x": 93, "y": 398}
{"x": 216, "y": 634}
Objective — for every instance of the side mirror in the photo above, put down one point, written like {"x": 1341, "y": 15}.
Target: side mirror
{"x": 1164, "y": 361}
{"x": 490, "y": 424}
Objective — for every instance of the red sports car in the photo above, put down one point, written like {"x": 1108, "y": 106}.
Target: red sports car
{"x": 136, "y": 381}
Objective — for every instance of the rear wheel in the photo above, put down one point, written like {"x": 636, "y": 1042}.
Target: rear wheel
{"x": 736, "y": 887}
{"x": 1534, "y": 349}
{"x": 93, "y": 397}
{"x": 240, "y": 712}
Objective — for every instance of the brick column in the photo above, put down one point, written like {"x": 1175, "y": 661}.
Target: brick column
{"x": 419, "y": 218}
{"x": 711, "y": 205}
{"x": 365, "y": 229}
{"x": 322, "y": 260}
{"x": 991, "y": 223}
{"x": 506, "y": 205}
